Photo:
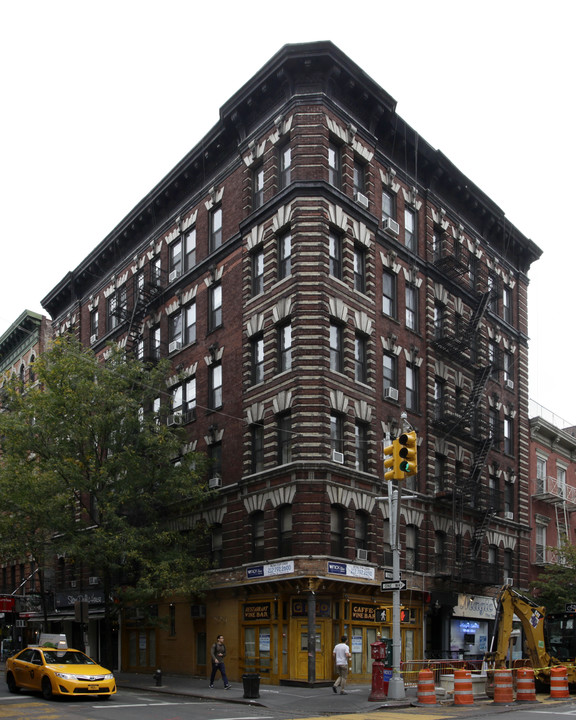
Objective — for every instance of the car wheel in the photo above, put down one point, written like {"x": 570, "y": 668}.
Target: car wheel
{"x": 47, "y": 693}
{"x": 11, "y": 682}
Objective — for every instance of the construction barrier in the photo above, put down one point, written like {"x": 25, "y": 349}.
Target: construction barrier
{"x": 558, "y": 683}
{"x": 426, "y": 688}
{"x": 463, "y": 694}
{"x": 525, "y": 685}
{"x": 503, "y": 688}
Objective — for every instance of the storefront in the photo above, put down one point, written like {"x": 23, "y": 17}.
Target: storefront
{"x": 275, "y": 633}
{"x": 471, "y": 627}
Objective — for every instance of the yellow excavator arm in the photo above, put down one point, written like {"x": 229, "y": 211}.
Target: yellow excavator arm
{"x": 510, "y": 603}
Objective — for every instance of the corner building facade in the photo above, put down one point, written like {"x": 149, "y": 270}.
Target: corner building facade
{"x": 314, "y": 268}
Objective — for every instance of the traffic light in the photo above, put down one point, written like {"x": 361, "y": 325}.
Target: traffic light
{"x": 392, "y": 461}
{"x": 408, "y": 453}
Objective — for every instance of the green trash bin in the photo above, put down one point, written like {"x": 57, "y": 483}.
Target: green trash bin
{"x": 251, "y": 682}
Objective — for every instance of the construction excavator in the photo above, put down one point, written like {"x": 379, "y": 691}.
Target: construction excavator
{"x": 550, "y": 640}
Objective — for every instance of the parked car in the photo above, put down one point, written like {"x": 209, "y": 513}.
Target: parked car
{"x": 58, "y": 671}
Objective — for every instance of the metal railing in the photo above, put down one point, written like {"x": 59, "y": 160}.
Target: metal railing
{"x": 410, "y": 669}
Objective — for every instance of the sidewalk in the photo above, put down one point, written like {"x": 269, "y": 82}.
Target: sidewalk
{"x": 302, "y": 701}
{"x": 311, "y": 702}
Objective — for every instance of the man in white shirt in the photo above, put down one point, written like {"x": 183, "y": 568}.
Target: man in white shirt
{"x": 341, "y": 655}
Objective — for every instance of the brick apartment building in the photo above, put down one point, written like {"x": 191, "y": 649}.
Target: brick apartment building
{"x": 552, "y": 486}
{"x": 25, "y": 339}
{"x": 313, "y": 268}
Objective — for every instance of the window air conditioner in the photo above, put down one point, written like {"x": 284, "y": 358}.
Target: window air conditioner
{"x": 198, "y": 611}
{"x": 215, "y": 482}
{"x": 361, "y": 199}
{"x": 94, "y": 580}
{"x": 93, "y": 339}
{"x": 337, "y": 457}
{"x": 174, "y": 275}
{"x": 361, "y": 554}
{"x": 174, "y": 345}
{"x": 509, "y": 384}
{"x": 390, "y": 393}
{"x": 509, "y": 515}
{"x": 390, "y": 226}
{"x": 175, "y": 419}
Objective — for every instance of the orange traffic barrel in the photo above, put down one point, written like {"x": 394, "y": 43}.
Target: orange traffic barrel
{"x": 525, "y": 685}
{"x": 503, "y": 689}
{"x": 558, "y": 683}
{"x": 426, "y": 688}
{"x": 463, "y": 694}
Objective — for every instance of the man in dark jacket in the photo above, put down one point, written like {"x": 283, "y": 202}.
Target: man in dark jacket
{"x": 217, "y": 655}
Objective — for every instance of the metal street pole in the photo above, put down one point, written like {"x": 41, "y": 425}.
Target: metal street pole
{"x": 396, "y": 689}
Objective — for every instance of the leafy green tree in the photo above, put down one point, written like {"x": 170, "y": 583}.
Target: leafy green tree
{"x": 556, "y": 584}
{"x": 89, "y": 469}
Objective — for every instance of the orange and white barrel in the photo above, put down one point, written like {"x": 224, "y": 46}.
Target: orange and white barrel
{"x": 463, "y": 694}
{"x": 558, "y": 683}
{"x": 503, "y": 688}
{"x": 426, "y": 688}
{"x": 525, "y": 685}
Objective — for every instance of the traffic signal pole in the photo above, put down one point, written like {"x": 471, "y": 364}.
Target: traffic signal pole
{"x": 396, "y": 689}
{"x": 400, "y": 462}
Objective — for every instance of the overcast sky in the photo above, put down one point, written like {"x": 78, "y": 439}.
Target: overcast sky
{"x": 101, "y": 99}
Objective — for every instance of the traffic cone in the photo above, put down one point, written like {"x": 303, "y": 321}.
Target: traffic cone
{"x": 558, "y": 683}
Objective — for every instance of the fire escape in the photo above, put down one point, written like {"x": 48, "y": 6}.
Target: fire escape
{"x": 464, "y": 418}
{"x": 143, "y": 292}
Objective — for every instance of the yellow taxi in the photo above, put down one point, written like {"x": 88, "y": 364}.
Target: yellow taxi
{"x": 58, "y": 671}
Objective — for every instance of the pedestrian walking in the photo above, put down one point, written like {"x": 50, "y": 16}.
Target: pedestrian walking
{"x": 341, "y": 655}
{"x": 217, "y": 655}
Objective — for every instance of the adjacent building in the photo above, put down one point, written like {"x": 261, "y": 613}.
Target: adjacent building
{"x": 552, "y": 486}
{"x": 20, "y": 345}
{"x": 314, "y": 268}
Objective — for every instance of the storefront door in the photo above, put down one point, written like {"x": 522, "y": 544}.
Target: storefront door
{"x": 360, "y": 642}
{"x": 302, "y": 651}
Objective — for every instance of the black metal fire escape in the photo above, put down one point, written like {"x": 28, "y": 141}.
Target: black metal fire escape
{"x": 465, "y": 418}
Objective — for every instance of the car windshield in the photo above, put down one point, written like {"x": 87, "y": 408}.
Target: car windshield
{"x": 67, "y": 657}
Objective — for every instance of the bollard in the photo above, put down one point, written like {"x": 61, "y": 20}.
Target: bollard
{"x": 157, "y": 675}
{"x": 525, "y": 685}
{"x": 463, "y": 694}
{"x": 426, "y": 688}
{"x": 558, "y": 683}
{"x": 503, "y": 690}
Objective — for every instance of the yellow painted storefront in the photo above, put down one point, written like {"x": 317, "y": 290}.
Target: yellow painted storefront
{"x": 267, "y": 632}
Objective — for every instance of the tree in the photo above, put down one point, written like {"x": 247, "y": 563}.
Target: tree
{"x": 90, "y": 469}
{"x": 556, "y": 584}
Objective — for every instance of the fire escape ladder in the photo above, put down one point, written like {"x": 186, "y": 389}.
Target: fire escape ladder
{"x": 561, "y": 523}
{"x": 476, "y": 319}
{"x": 144, "y": 296}
{"x": 480, "y": 532}
{"x": 480, "y": 380}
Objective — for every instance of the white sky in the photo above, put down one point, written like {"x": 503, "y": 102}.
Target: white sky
{"x": 99, "y": 100}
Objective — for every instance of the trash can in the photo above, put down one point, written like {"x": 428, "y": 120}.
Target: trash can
{"x": 251, "y": 682}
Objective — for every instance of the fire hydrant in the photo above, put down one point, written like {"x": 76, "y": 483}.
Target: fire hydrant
{"x": 157, "y": 675}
